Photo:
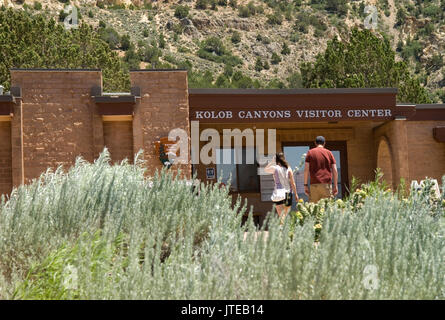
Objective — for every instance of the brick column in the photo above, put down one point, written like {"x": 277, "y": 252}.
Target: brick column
{"x": 401, "y": 155}
{"x": 396, "y": 134}
{"x": 163, "y": 106}
{"x": 5, "y": 155}
{"x": 17, "y": 145}
{"x": 384, "y": 160}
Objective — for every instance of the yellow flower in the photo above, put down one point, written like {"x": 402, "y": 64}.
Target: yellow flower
{"x": 317, "y": 226}
{"x": 357, "y": 190}
{"x": 301, "y": 200}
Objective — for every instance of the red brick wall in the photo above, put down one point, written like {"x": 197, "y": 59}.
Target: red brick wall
{"x": 162, "y": 107}
{"x": 426, "y": 155}
{"x": 56, "y": 120}
{"x": 60, "y": 120}
{"x": 118, "y": 137}
{"x": 5, "y": 157}
{"x": 414, "y": 151}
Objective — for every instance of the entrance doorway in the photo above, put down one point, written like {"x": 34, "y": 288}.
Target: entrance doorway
{"x": 295, "y": 154}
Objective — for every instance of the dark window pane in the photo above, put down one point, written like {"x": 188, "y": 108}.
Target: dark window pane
{"x": 248, "y": 171}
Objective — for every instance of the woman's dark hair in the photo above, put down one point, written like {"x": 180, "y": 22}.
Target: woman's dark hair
{"x": 279, "y": 158}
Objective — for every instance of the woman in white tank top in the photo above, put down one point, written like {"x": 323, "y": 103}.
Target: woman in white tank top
{"x": 284, "y": 181}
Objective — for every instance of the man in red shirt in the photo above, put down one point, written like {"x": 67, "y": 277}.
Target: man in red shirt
{"x": 320, "y": 163}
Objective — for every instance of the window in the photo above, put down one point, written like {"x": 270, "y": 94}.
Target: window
{"x": 242, "y": 174}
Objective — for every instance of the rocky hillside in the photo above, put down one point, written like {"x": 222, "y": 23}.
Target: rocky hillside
{"x": 264, "y": 39}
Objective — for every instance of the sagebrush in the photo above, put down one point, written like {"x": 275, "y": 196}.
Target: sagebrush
{"x": 102, "y": 231}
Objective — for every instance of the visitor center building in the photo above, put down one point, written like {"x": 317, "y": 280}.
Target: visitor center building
{"x": 51, "y": 116}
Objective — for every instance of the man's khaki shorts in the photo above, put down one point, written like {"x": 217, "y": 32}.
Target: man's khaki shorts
{"x": 319, "y": 191}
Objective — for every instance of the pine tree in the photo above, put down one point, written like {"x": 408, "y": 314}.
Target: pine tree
{"x": 366, "y": 60}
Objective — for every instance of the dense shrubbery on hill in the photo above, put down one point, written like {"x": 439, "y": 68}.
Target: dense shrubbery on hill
{"x": 302, "y": 26}
{"x": 214, "y": 50}
{"x": 35, "y": 42}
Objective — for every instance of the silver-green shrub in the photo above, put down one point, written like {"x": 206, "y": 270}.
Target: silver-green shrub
{"x": 105, "y": 232}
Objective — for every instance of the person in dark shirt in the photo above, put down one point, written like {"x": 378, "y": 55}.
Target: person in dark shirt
{"x": 320, "y": 164}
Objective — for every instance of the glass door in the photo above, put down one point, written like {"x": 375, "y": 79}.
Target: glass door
{"x": 295, "y": 153}
{"x": 339, "y": 150}
{"x": 295, "y": 156}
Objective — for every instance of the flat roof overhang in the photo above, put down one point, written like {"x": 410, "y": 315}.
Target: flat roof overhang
{"x": 428, "y": 112}
{"x": 115, "y": 109}
{"x": 8, "y": 100}
{"x": 115, "y": 99}
{"x": 117, "y": 103}
{"x": 6, "y": 105}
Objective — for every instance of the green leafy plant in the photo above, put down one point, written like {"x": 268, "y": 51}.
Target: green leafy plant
{"x": 202, "y": 4}
{"x": 182, "y": 12}
{"x": 258, "y": 64}
{"x": 285, "y": 50}
{"x": 275, "y": 18}
{"x": 213, "y": 49}
{"x": 37, "y": 5}
{"x": 236, "y": 37}
{"x": 276, "y": 59}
